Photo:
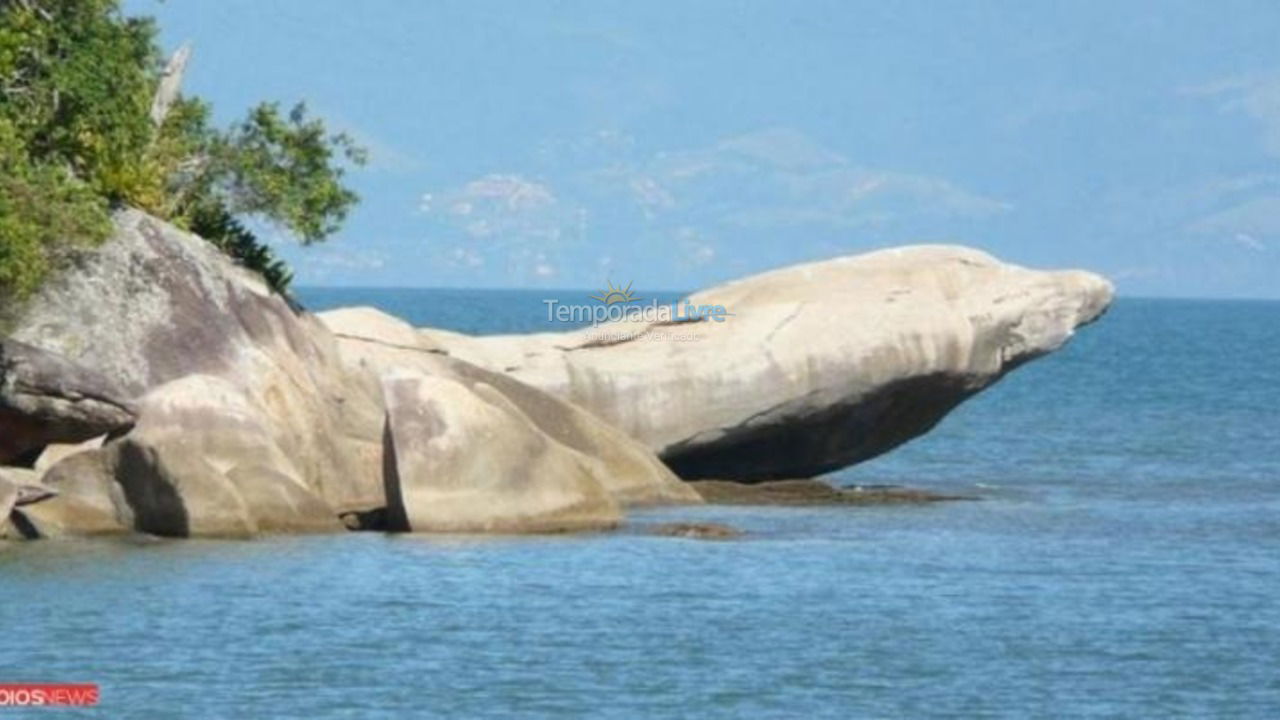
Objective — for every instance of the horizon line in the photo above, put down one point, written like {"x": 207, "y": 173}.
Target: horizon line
{"x": 473, "y": 288}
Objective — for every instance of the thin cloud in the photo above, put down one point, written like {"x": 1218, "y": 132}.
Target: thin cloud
{"x": 687, "y": 204}
{"x": 1248, "y": 224}
{"x": 1256, "y": 96}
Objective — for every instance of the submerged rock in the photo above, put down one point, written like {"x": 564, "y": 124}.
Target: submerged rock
{"x": 697, "y": 531}
{"x": 811, "y": 492}
{"x": 820, "y": 365}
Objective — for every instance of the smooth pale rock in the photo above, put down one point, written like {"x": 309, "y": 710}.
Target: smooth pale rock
{"x": 88, "y": 500}
{"x": 19, "y": 476}
{"x": 8, "y": 496}
{"x": 155, "y": 304}
{"x": 376, "y": 343}
{"x": 19, "y": 487}
{"x": 56, "y": 452}
{"x": 201, "y": 462}
{"x": 821, "y": 365}
{"x": 47, "y": 398}
{"x": 465, "y": 459}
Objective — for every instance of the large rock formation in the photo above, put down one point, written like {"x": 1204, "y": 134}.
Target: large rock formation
{"x": 155, "y": 304}
{"x": 238, "y": 414}
{"x": 820, "y": 365}
{"x": 216, "y": 408}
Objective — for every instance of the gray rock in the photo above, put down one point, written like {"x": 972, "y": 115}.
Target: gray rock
{"x": 46, "y": 398}
{"x": 821, "y": 365}
{"x": 155, "y": 304}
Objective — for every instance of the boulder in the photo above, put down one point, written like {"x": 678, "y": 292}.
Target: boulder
{"x": 375, "y": 343}
{"x": 20, "y": 488}
{"x": 819, "y": 366}
{"x": 87, "y": 501}
{"x": 155, "y": 304}
{"x": 47, "y": 398}
{"x": 202, "y": 462}
{"x": 466, "y": 459}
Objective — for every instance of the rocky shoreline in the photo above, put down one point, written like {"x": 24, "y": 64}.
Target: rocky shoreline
{"x": 154, "y": 387}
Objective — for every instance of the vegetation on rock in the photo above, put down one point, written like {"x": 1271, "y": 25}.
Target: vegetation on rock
{"x": 84, "y": 130}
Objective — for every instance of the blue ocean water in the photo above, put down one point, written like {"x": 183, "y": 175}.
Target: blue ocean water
{"x": 1124, "y": 562}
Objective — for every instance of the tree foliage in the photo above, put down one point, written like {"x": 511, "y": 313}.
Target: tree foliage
{"x": 282, "y": 167}
{"x": 77, "y": 139}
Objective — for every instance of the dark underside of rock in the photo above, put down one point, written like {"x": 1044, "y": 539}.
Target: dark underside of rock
{"x": 812, "y": 492}
{"x": 47, "y": 398}
{"x": 810, "y": 442}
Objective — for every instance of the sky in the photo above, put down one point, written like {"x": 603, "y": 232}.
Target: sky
{"x": 675, "y": 145}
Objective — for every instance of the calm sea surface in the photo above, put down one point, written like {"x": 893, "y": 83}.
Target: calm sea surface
{"x": 1125, "y": 562}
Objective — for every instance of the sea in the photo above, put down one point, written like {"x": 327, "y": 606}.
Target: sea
{"x": 1122, "y": 561}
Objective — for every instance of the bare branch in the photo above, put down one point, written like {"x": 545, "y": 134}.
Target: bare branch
{"x": 170, "y": 84}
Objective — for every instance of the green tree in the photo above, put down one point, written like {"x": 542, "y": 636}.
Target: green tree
{"x": 81, "y": 133}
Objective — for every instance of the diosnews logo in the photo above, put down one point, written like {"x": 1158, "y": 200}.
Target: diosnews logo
{"x": 40, "y": 694}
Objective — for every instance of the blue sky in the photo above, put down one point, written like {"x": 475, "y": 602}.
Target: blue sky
{"x": 675, "y": 145}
